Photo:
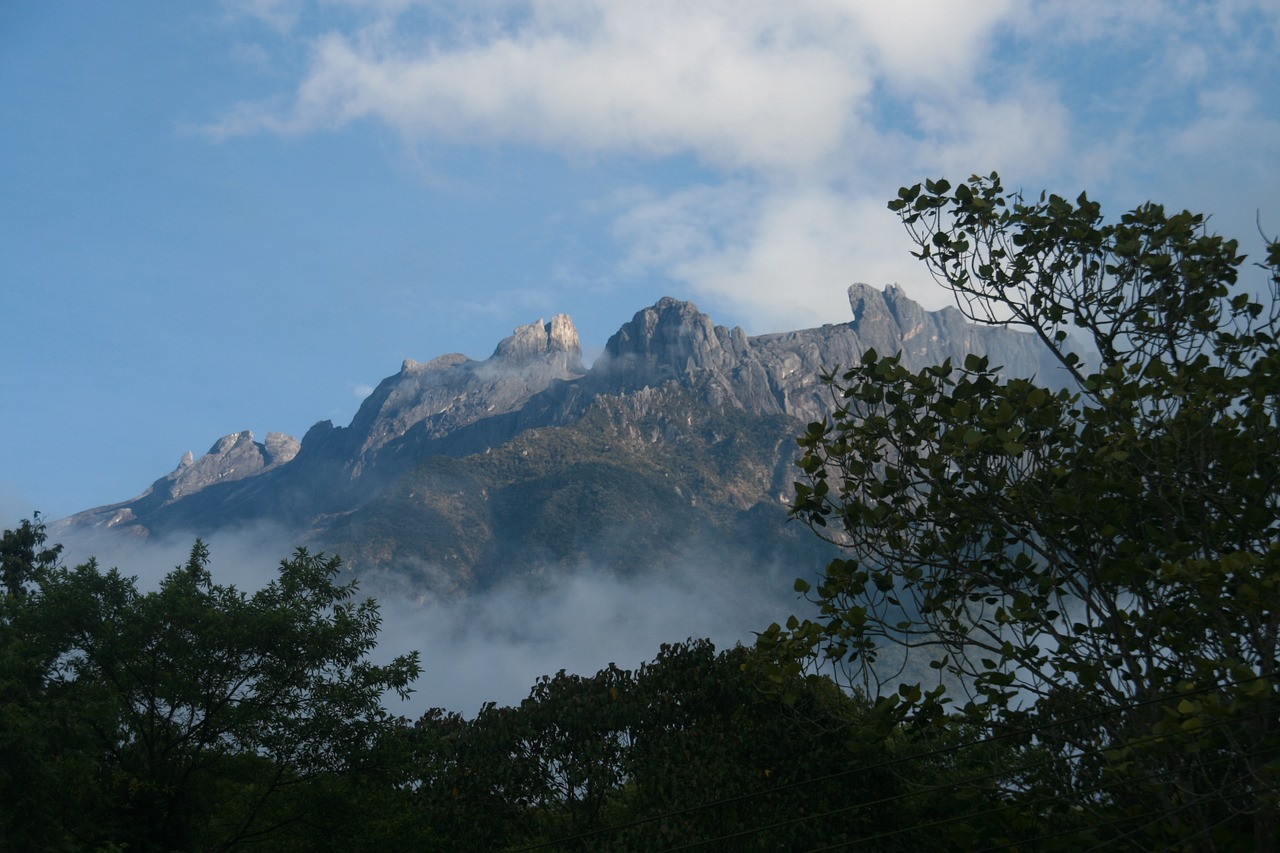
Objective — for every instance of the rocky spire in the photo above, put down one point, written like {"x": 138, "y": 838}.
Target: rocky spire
{"x": 231, "y": 457}
{"x": 540, "y": 340}
{"x": 671, "y": 339}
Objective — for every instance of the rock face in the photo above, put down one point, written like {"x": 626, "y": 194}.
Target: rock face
{"x": 471, "y": 469}
{"x": 780, "y": 373}
{"x": 556, "y": 341}
{"x": 424, "y": 404}
{"x": 232, "y": 457}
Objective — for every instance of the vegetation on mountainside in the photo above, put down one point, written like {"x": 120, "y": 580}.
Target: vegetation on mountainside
{"x": 668, "y": 480}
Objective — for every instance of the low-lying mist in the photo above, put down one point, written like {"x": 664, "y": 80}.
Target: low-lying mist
{"x": 492, "y": 645}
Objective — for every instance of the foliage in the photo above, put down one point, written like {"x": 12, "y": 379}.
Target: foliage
{"x": 192, "y": 716}
{"x": 23, "y": 557}
{"x": 1098, "y": 564}
{"x": 33, "y": 754}
{"x": 197, "y": 716}
{"x": 696, "y": 748}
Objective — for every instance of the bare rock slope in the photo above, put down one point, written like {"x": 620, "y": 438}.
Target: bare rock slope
{"x": 679, "y": 438}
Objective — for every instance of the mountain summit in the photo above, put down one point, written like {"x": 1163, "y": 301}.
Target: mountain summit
{"x": 678, "y": 439}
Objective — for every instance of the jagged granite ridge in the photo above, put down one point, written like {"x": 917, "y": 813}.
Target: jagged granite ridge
{"x": 406, "y": 481}
{"x": 232, "y": 457}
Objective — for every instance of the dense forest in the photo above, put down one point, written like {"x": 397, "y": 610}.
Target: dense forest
{"x": 195, "y": 717}
{"x": 1089, "y": 575}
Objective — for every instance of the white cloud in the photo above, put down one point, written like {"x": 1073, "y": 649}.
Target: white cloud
{"x": 740, "y": 84}
{"x": 245, "y": 557}
{"x": 1228, "y": 125}
{"x": 928, "y": 44}
{"x": 493, "y": 645}
{"x": 654, "y": 87}
{"x": 781, "y": 99}
{"x": 804, "y": 116}
{"x": 1190, "y": 63}
{"x": 1225, "y": 159}
{"x": 663, "y": 231}
{"x": 1027, "y": 132}
{"x": 784, "y": 257}
{"x": 279, "y": 15}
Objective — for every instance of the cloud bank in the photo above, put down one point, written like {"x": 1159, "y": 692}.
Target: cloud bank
{"x": 804, "y": 118}
{"x": 493, "y": 645}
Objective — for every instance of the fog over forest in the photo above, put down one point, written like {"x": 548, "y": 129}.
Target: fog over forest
{"x": 492, "y": 645}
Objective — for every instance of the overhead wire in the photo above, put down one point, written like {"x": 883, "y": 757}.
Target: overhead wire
{"x": 1179, "y": 844}
{"x": 1159, "y": 816}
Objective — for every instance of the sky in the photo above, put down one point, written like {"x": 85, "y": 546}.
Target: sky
{"x": 243, "y": 215}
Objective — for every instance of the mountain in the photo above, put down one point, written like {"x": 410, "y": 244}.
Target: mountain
{"x": 676, "y": 445}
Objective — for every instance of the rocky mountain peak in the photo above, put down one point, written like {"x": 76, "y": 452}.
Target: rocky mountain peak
{"x": 441, "y": 362}
{"x": 235, "y": 456}
{"x": 562, "y": 336}
{"x": 426, "y": 403}
{"x": 557, "y": 339}
{"x": 231, "y": 457}
{"x": 669, "y": 354}
{"x": 670, "y": 340}
{"x": 280, "y": 448}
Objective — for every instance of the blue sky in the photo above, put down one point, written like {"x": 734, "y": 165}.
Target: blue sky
{"x": 242, "y": 215}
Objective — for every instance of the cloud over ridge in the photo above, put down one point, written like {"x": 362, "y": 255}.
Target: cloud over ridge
{"x": 814, "y": 110}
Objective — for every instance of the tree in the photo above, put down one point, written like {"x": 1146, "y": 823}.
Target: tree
{"x": 693, "y": 748}
{"x": 1093, "y": 557}
{"x": 719, "y": 754}
{"x": 23, "y": 557}
{"x": 196, "y": 715}
{"x": 33, "y": 756}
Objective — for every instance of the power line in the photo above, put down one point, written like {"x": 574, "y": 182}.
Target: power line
{"x": 1160, "y": 815}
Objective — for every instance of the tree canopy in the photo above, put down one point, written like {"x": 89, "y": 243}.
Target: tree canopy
{"x": 1091, "y": 557}
{"x": 690, "y": 751}
{"x": 183, "y": 717}
{"x": 1056, "y": 608}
